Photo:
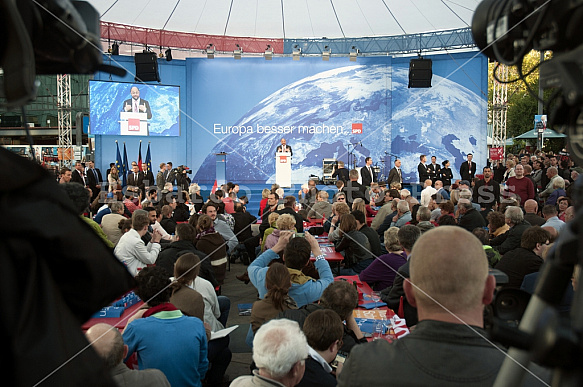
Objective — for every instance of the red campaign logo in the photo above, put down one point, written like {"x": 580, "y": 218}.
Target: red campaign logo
{"x": 282, "y": 159}
{"x": 356, "y": 128}
{"x": 133, "y": 125}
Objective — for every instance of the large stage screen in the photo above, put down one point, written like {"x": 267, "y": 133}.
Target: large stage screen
{"x": 117, "y": 108}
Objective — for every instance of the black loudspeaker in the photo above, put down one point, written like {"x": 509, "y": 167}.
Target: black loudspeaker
{"x": 146, "y": 67}
{"x": 420, "y": 73}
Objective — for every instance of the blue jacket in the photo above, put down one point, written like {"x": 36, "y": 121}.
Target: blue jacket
{"x": 302, "y": 294}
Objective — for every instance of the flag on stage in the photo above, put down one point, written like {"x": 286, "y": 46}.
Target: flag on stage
{"x": 148, "y": 159}
{"x": 214, "y": 189}
{"x": 140, "y": 157}
{"x": 118, "y": 161}
{"x": 125, "y": 166}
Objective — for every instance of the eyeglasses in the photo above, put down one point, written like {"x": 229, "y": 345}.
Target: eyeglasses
{"x": 341, "y": 198}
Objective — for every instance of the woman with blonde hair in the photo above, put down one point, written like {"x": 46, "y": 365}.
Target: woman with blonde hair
{"x": 285, "y": 222}
{"x": 113, "y": 179}
{"x": 263, "y": 202}
{"x": 509, "y": 170}
{"x": 276, "y": 300}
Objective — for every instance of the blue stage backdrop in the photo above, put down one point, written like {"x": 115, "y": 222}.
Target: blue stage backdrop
{"x": 245, "y": 107}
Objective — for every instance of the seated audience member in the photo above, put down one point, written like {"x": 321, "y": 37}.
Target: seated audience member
{"x": 558, "y": 184}
{"x": 296, "y": 255}
{"x": 484, "y": 237}
{"x": 108, "y": 343}
{"x": 272, "y": 220}
{"x": 192, "y": 303}
{"x": 525, "y": 259}
{"x": 408, "y": 236}
{"x": 403, "y": 214}
{"x": 371, "y": 235}
{"x": 446, "y": 208}
{"x": 424, "y": 219}
{"x": 359, "y": 205}
{"x": 470, "y": 218}
{"x": 277, "y": 299}
{"x": 289, "y": 207}
{"x": 386, "y": 224}
{"x": 131, "y": 249}
{"x": 243, "y": 231}
{"x": 570, "y": 214}
{"x": 380, "y": 274}
{"x": 213, "y": 245}
{"x": 447, "y": 347}
{"x": 182, "y": 212}
{"x": 155, "y": 215}
{"x": 355, "y": 245}
{"x": 551, "y": 218}
{"x": 562, "y": 203}
{"x": 162, "y": 336}
{"x": 342, "y": 298}
{"x": 385, "y": 210}
{"x": 104, "y": 210}
{"x": 531, "y": 209}
{"x": 338, "y": 210}
{"x": 446, "y": 220}
{"x": 110, "y": 222}
{"x": 132, "y": 200}
{"x": 279, "y": 351}
{"x": 168, "y": 223}
{"x": 125, "y": 225}
{"x": 263, "y": 201}
{"x": 322, "y": 207}
{"x": 324, "y": 331}
{"x": 511, "y": 239}
{"x": 212, "y": 210}
{"x": 496, "y": 224}
{"x": 284, "y": 222}
{"x": 184, "y": 243}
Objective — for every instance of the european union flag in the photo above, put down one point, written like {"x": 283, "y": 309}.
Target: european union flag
{"x": 148, "y": 159}
{"x": 125, "y": 166}
{"x": 118, "y": 162}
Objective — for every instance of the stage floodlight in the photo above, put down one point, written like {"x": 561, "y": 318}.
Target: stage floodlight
{"x": 326, "y": 53}
{"x": 296, "y": 53}
{"x": 353, "y": 54}
{"x": 210, "y": 51}
{"x": 237, "y": 53}
{"x": 268, "y": 52}
{"x": 114, "y": 49}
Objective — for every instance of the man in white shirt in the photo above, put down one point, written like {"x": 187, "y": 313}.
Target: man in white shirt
{"x": 132, "y": 251}
{"x": 427, "y": 192}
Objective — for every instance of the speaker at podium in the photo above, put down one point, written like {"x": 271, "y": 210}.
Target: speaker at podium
{"x": 283, "y": 169}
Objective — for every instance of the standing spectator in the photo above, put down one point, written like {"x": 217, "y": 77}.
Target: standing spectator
{"x": 324, "y": 331}
{"x": 446, "y": 174}
{"x": 66, "y": 175}
{"x": 94, "y": 179}
{"x": 486, "y": 191}
{"x": 509, "y": 171}
{"x": 380, "y": 274}
{"x": 520, "y": 185}
{"x": 212, "y": 243}
{"x": 78, "y": 174}
{"x": 427, "y": 192}
{"x": 276, "y": 300}
{"x": 148, "y": 177}
{"x": 162, "y": 336}
{"x": 279, "y": 351}
{"x": 434, "y": 170}
{"x": 468, "y": 168}
{"x": 422, "y": 169}
{"x": 160, "y": 180}
{"x": 108, "y": 343}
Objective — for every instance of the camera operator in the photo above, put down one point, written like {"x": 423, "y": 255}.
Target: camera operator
{"x": 182, "y": 179}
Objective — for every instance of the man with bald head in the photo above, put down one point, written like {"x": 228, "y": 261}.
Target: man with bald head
{"x": 531, "y": 209}
{"x": 108, "y": 343}
{"x": 449, "y": 285}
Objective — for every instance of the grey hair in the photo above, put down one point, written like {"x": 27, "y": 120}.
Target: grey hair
{"x": 514, "y": 213}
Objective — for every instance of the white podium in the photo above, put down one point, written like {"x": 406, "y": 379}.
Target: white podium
{"x": 283, "y": 169}
{"x": 133, "y": 124}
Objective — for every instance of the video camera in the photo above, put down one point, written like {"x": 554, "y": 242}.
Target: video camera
{"x": 506, "y": 30}
{"x": 182, "y": 169}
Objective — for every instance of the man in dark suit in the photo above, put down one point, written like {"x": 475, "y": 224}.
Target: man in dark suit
{"x": 148, "y": 180}
{"x": 341, "y": 172}
{"x": 169, "y": 176}
{"x": 136, "y": 104}
{"x": 284, "y": 147}
{"x": 434, "y": 170}
{"x": 94, "y": 179}
{"x": 422, "y": 169}
{"x": 353, "y": 189}
{"x": 395, "y": 175}
{"x": 366, "y": 173}
{"x": 136, "y": 178}
{"x": 78, "y": 174}
{"x": 468, "y": 169}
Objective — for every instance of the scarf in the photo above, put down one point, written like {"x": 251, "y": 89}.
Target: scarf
{"x": 159, "y": 308}
{"x": 205, "y": 232}
{"x": 297, "y": 277}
